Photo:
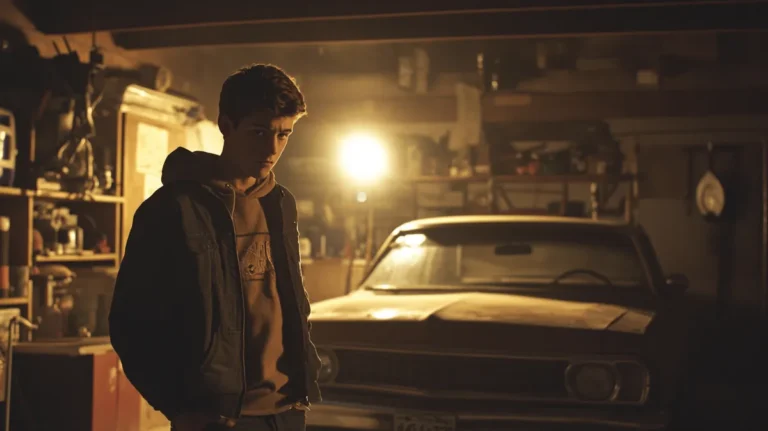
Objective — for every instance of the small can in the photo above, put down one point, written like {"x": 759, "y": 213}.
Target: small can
{"x": 19, "y": 281}
{"x": 5, "y": 282}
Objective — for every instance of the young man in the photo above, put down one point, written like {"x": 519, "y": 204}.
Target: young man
{"x": 209, "y": 315}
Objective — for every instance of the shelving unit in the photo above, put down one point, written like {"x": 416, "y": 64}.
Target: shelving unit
{"x": 495, "y": 189}
{"x": 124, "y": 115}
{"x": 104, "y": 211}
{"x": 18, "y": 205}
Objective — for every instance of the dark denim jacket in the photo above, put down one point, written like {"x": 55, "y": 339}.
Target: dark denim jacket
{"x": 177, "y": 318}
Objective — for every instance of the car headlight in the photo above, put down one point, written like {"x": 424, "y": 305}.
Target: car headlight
{"x": 329, "y": 366}
{"x": 592, "y": 381}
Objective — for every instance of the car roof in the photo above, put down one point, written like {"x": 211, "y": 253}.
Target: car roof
{"x": 426, "y": 223}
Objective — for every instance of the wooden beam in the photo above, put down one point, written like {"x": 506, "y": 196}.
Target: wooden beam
{"x": 305, "y": 21}
{"x": 412, "y": 109}
{"x": 506, "y": 107}
{"x": 88, "y": 15}
{"x": 524, "y": 22}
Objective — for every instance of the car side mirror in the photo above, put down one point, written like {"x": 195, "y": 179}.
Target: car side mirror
{"x": 676, "y": 285}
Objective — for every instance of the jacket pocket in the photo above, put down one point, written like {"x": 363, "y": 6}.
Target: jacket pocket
{"x": 198, "y": 273}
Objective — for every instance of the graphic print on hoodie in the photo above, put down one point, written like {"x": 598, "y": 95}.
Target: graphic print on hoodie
{"x": 265, "y": 365}
{"x": 264, "y": 320}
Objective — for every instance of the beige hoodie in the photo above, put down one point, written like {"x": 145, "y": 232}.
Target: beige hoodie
{"x": 266, "y": 364}
{"x": 265, "y": 380}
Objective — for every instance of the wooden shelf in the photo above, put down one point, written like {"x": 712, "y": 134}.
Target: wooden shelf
{"x": 499, "y": 192}
{"x": 447, "y": 179}
{"x": 67, "y": 196}
{"x": 60, "y": 195}
{"x": 75, "y": 258}
{"x": 11, "y": 191}
{"x": 528, "y": 179}
{"x": 14, "y": 301}
{"x": 563, "y": 179}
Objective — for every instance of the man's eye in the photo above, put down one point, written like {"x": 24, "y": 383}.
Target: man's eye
{"x": 283, "y": 136}
{"x": 259, "y": 133}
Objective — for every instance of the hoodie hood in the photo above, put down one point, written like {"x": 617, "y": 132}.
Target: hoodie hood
{"x": 185, "y": 165}
{"x": 199, "y": 166}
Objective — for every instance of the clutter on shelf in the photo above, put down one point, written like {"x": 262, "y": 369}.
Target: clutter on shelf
{"x": 575, "y": 149}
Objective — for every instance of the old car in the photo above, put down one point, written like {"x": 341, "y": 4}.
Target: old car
{"x": 505, "y": 322}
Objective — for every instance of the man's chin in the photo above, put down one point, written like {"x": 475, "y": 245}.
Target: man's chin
{"x": 264, "y": 173}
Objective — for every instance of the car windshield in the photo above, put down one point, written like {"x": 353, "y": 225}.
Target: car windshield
{"x": 515, "y": 255}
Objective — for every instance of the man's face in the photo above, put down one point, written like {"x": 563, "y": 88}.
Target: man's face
{"x": 257, "y": 142}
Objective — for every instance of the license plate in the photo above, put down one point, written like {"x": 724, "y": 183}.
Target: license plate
{"x": 424, "y": 423}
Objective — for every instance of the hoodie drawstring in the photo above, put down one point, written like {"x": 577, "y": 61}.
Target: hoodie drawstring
{"x": 234, "y": 199}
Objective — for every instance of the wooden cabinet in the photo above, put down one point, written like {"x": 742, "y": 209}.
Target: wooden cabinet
{"x": 66, "y": 390}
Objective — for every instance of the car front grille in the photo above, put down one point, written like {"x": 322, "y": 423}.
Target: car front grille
{"x": 454, "y": 374}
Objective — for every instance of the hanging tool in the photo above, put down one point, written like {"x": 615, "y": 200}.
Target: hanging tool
{"x": 710, "y": 193}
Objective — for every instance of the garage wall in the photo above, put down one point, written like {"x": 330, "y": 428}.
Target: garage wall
{"x": 722, "y": 260}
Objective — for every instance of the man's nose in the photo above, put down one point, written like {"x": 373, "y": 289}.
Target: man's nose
{"x": 274, "y": 144}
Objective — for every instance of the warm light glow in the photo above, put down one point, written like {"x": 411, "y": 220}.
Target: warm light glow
{"x": 385, "y": 314}
{"x": 363, "y": 157}
{"x": 412, "y": 240}
{"x": 362, "y": 197}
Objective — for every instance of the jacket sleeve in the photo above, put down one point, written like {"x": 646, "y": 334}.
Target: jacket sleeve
{"x": 142, "y": 319}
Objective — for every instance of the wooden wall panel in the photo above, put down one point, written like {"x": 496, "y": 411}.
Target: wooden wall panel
{"x": 134, "y": 181}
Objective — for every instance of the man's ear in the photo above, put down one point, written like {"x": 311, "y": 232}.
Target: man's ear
{"x": 225, "y": 126}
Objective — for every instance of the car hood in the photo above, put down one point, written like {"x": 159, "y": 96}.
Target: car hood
{"x": 499, "y": 308}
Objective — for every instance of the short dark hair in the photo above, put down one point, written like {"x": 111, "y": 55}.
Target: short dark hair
{"x": 260, "y": 87}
